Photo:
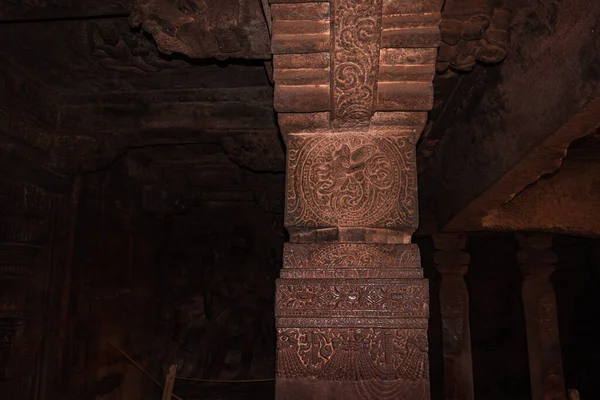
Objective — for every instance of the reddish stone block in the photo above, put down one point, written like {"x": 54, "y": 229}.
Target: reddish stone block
{"x": 351, "y": 180}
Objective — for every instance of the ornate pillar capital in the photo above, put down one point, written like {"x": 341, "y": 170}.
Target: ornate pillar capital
{"x": 536, "y": 258}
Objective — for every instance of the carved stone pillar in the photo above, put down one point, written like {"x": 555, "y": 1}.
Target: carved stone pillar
{"x": 538, "y": 262}
{"x": 452, "y": 262}
{"x": 23, "y": 226}
{"x": 353, "y": 82}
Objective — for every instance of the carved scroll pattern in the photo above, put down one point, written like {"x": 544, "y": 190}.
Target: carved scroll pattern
{"x": 356, "y": 56}
{"x": 382, "y": 363}
{"x": 351, "y": 180}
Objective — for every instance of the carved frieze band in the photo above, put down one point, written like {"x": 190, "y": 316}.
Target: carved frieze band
{"x": 351, "y": 180}
{"x": 351, "y": 260}
{"x": 352, "y": 298}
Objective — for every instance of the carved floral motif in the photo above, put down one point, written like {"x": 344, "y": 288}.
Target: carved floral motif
{"x": 356, "y": 55}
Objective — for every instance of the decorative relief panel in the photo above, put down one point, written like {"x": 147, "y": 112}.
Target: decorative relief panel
{"x": 351, "y": 180}
{"x": 356, "y": 54}
{"x": 350, "y": 255}
{"x": 471, "y": 33}
{"x": 378, "y": 363}
{"x": 356, "y": 297}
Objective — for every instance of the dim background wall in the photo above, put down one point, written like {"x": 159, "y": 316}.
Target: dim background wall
{"x": 193, "y": 288}
{"x": 499, "y": 344}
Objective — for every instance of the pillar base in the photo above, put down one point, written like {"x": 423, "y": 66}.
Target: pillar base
{"x": 352, "y": 363}
{"x": 359, "y": 335}
{"x": 372, "y": 389}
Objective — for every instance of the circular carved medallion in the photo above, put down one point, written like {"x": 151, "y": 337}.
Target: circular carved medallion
{"x": 349, "y": 181}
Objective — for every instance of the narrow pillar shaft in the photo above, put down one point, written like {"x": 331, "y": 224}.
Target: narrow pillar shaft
{"x": 353, "y": 82}
{"x": 24, "y": 227}
{"x": 596, "y": 255}
{"x": 538, "y": 262}
{"x": 452, "y": 262}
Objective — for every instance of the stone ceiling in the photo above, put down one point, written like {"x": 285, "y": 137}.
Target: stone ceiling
{"x": 96, "y": 80}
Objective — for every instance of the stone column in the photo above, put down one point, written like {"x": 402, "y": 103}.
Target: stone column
{"x": 538, "y": 262}
{"x": 452, "y": 262}
{"x": 353, "y": 82}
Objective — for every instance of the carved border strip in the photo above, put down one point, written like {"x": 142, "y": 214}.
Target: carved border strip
{"x": 352, "y": 273}
{"x": 352, "y": 298}
{"x": 352, "y": 322}
{"x": 350, "y": 255}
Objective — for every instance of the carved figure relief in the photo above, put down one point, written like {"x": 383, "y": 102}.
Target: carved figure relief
{"x": 204, "y": 28}
{"x": 351, "y": 180}
{"x": 473, "y": 33}
{"x": 120, "y": 49}
{"x": 356, "y": 57}
{"x": 374, "y": 359}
